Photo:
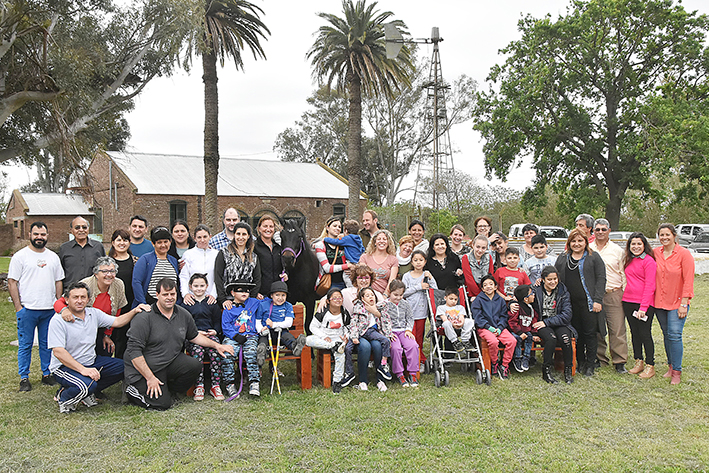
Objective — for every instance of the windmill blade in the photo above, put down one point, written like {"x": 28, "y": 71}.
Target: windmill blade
{"x": 394, "y": 40}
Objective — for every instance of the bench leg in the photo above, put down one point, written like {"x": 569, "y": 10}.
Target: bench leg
{"x": 324, "y": 368}
{"x": 304, "y": 369}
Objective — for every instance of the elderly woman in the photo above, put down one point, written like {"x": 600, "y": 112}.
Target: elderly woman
{"x": 417, "y": 231}
{"x": 584, "y": 274}
{"x": 442, "y": 263}
{"x": 332, "y": 259}
{"x": 674, "y": 283}
{"x": 456, "y": 240}
{"x": 403, "y": 254}
{"x": 498, "y": 244}
{"x": 381, "y": 258}
{"x": 199, "y": 259}
{"x": 362, "y": 276}
{"x": 106, "y": 293}
{"x": 237, "y": 262}
{"x": 269, "y": 255}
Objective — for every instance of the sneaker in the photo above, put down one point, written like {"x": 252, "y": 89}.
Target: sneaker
{"x": 414, "y": 383}
{"x": 458, "y": 346}
{"x": 384, "y": 372}
{"x": 199, "y": 393}
{"x": 362, "y": 387}
{"x": 336, "y": 388}
{"x": 493, "y": 369}
{"x": 620, "y": 368}
{"x": 517, "y": 363}
{"x": 503, "y": 372}
{"x": 403, "y": 382}
{"x": 49, "y": 380}
{"x": 90, "y": 401}
{"x": 525, "y": 364}
{"x": 25, "y": 385}
{"x": 381, "y": 386}
{"x": 66, "y": 408}
{"x": 347, "y": 379}
{"x": 254, "y": 389}
{"x": 261, "y": 351}
{"x": 216, "y": 392}
{"x": 231, "y": 392}
{"x": 299, "y": 344}
{"x": 468, "y": 346}
{"x": 370, "y": 364}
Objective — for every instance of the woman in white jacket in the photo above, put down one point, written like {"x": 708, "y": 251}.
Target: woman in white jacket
{"x": 199, "y": 259}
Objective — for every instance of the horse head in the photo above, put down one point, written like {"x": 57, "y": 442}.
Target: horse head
{"x": 292, "y": 242}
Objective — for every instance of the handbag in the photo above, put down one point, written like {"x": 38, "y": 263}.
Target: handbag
{"x": 326, "y": 279}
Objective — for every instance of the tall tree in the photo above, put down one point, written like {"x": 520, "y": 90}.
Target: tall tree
{"x": 230, "y": 26}
{"x": 351, "y": 52}
{"x": 573, "y": 95}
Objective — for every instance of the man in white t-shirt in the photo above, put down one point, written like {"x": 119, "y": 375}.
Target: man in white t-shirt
{"x": 34, "y": 281}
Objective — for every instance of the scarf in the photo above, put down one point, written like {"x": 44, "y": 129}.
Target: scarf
{"x": 479, "y": 269}
{"x": 402, "y": 261}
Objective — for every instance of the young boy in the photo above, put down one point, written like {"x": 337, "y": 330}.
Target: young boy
{"x": 452, "y": 318}
{"x": 510, "y": 276}
{"x": 541, "y": 259}
{"x": 520, "y": 321}
{"x": 351, "y": 244}
{"x": 239, "y": 327}
{"x": 398, "y": 321}
{"x": 276, "y": 313}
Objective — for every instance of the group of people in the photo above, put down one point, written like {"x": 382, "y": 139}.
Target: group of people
{"x": 191, "y": 299}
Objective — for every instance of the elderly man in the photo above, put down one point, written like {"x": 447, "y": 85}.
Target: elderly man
{"x": 222, "y": 239}
{"x": 79, "y": 255}
{"x": 34, "y": 282}
{"x": 75, "y": 365}
{"x": 614, "y": 258}
{"x": 152, "y": 267}
{"x": 584, "y": 222}
{"x": 370, "y": 224}
{"x": 138, "y": 227}
{"x": 156, "y": 369}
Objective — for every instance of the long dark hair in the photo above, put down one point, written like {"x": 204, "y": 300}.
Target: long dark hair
{"x": 123, "y": 234}
{"x": 647, "y": 248}
{"x": 190, "y": 240}
{"x": 433, "y": 239}
{"x": 249, "y": 242}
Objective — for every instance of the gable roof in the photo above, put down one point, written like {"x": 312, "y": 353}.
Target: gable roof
{"x": 184, "y": 175}
{"x": 55, "y": 204}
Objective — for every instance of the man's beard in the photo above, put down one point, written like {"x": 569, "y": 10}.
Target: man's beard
{"x": 38, "y": 243}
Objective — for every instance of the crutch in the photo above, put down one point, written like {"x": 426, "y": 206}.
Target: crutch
{"x": 274, "y": 378}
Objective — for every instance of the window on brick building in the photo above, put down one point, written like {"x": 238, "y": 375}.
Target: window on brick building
{"x": 338, "y": 210}
{"x": 178, "y": 211}
{"x": 98, "y": 220}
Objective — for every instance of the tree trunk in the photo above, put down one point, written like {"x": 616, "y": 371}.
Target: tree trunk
{"x": 354, "y": 145}
{"x": 615, "y": 202}
{"x": 211, "y": 140}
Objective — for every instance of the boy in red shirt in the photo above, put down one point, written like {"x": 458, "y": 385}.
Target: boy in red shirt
{"x": 510, "y": 276}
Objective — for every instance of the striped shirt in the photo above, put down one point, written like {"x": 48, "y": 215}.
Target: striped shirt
{"x": 163, "y": 269}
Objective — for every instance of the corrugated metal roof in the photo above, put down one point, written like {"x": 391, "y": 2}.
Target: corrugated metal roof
{"x": 56, "y": 204}
{"x": 172, "y": 174}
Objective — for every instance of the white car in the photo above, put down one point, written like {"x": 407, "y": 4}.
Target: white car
{"x": 687, "y": 232}
{"x": 620, "y": 236}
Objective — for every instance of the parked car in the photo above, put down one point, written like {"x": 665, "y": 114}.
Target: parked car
{"x": 700, "y": 243}
{"x": 687, "y": 232}
{"x": 554, "y": 232}
{"x": 620, "y": 236}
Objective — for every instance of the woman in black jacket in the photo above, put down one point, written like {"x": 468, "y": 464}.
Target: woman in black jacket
{"x": 269, "y": 255}
{"x": 553, "y": 307}
{"x": 584, "y": 274}
{"x": 442, "y": 263}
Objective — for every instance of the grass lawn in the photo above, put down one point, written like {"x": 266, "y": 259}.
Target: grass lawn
{"x": 606, "y": 423}
{"x": 4, "y": 263}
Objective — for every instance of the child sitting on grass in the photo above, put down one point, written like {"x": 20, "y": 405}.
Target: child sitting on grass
{"x": 510, "y": 276}
{"x": 276, "y": 313}
{"x": 451, "y": 316}
{"x": 329, "y": 332}
{"x": 539, "y": 261}
{"x": 208, "y": 319}
{"x": 239, "y": 327}
{"x": 520, "y": 321}
{"x": 490, "y": 312}
{"x": 397, "y": 311}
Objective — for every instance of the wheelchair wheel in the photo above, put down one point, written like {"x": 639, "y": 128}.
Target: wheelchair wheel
{"x": 437, "y": 379}
{"x": 446, "y": 378}
{"x": 478, "y": 376}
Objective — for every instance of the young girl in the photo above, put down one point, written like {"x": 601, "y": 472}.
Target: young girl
{"x": 363, "y": 333}
{"x": 329, "y": 332}
{"x": 398, "y": 312}
{"x": 208, "y": 318}
{"x": 417, "y": 282}
{"x": 490, "y": 312}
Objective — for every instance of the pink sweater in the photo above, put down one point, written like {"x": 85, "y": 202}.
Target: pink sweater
{"x": 640, "y": 278}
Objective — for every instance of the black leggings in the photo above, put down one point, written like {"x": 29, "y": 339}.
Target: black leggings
{"x": 586, "y": 324}
{"x": 641, "y": 332}
{"x": 553, "y": 337}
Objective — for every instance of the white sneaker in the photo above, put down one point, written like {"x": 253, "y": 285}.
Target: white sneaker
{"x": 362, "y": 386}
{"x": 90, "y": 401}
{"x": 254, "y": 389}
{"x": 381, "y": 386}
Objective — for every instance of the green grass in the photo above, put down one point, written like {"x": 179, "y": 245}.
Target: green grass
{"x": 607, "y": 423}
{"x": 4, "y": 264}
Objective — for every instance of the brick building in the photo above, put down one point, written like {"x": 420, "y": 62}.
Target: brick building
{"x": 167, "y": 187}
{"x": 56, "y": 210}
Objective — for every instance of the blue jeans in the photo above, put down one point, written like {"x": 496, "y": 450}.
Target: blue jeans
{"x": 365, "y": 349}
{"x": 27, "y": 321}
{"x": 249, "y": 347}
{"x": 672, "y": 327}
{"x": 76, "y": 386}
{"x": 525, "y": 344}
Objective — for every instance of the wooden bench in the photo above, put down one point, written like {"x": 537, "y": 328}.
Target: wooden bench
{"x": 303, "y": 363}
{"x": 537, "y": 346}
{"x": 324, "y": 368}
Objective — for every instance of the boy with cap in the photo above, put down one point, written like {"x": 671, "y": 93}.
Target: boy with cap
{"x": 276, "y": 313}
{"x": 239, "y": 327}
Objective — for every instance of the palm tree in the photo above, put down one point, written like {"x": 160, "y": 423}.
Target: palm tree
{"x": 351, "y": 52}
{"x": 230, "y": 26}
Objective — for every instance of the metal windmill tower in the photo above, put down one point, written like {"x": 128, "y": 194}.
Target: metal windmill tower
{"x": 435, "y": 168}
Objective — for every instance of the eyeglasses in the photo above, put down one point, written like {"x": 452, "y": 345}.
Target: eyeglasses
{"x": 363, "y": 277}
{"x": 603, "y": 229}
{"x": 107, "y": 272}
{"x": 81, "y": 227}
{"x": 483, "y": 226}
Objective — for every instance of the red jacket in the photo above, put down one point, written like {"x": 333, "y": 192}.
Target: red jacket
{"x": 523, "y": 324}
{"x": 470, "y": 284}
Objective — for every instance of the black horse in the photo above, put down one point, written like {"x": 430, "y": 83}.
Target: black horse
{"x": 301, "y": 265}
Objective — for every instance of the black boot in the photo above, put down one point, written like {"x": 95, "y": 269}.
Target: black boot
{"x": 568, "y": 377}
{"x": 547, "y": 376}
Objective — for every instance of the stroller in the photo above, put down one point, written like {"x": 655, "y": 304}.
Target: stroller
{"x": 442, "y": 352}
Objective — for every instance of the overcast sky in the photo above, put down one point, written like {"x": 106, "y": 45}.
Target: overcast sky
{"x": 269, "y": 96}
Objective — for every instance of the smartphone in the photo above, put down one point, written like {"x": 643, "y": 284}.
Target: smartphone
{"x": 637, "y": 316}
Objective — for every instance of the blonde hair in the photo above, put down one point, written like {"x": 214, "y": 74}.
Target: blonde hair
{"x": 391, "y": 247}
{"x": 265, "y": 218}
{"x": 329, "y": 222}
{"x": 406, "y": 239}
{"x": 576, "y": 233}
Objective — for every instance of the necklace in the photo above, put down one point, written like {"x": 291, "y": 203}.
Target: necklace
{"x": 572, "y": 265}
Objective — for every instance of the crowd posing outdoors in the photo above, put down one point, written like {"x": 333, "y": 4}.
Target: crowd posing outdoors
{"x": 161, "y": 314}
